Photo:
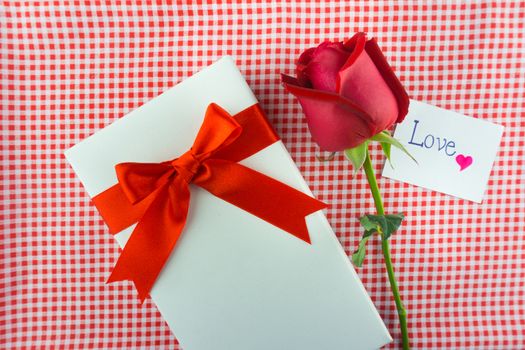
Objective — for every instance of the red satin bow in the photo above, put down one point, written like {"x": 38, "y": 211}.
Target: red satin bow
{"x": 157, "y": 194}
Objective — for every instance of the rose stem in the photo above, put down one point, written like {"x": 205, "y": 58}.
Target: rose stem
{"x": 372, "y": 182}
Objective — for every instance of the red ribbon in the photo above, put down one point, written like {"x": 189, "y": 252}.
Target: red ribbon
{"x": 157, "y": 196}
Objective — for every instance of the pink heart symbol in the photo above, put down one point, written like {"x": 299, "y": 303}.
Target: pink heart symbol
{"x": 463, "y": 161}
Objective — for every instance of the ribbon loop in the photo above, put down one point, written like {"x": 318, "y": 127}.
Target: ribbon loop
{"x": 157, "y": 196}
{"x": 139, "y": 180}
{"x": 218, "y": 130}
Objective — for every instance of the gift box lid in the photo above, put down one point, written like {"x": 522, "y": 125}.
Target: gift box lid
{"x": 235, "y": 281}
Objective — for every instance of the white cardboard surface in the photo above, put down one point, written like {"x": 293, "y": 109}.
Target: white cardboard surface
{"x": 235, "y": 282}
{"x": 435, "y": 137}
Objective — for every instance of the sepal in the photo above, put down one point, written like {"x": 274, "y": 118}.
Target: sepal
{"x": 384, "y": 137}
{"x": 357, "y": 156}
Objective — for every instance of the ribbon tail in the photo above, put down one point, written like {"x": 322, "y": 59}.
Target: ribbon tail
{"x": 153, "y": 239}
{"x": 260, "y": 195}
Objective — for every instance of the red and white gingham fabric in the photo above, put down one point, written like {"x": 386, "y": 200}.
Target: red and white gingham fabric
{"x": 69, "y": 69}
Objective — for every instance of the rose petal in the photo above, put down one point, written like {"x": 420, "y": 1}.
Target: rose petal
{"x": 302, "y": 63}
{"x": 334, "y": 122}
{"x": 390, "y": 78}
{"x": 306, "y": 56}
{"x": 361, "y": 82}
{"x": 323, "y": 68}
{"x": 355, "y": 46}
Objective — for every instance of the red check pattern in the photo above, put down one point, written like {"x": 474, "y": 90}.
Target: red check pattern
{"x": 70, "y": 68}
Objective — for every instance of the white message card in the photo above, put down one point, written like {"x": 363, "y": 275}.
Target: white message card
{"x": 454, "y": 153}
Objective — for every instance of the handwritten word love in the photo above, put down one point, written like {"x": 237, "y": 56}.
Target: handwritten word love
{"x": 430, "y": 141}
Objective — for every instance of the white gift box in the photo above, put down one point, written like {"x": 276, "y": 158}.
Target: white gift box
{"x": 234, "y": 281}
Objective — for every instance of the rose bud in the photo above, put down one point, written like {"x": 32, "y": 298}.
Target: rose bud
{"x": 348, "y": 92}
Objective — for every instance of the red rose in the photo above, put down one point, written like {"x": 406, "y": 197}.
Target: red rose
{"x": 348, "y": 92}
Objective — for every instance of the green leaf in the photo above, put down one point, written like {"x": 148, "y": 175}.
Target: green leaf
{"x": 393, "y": 222}
{"x": 383, "y": 137}
{"x": 379, "y": 221}
{"x": 359, "y": 256}
{"x": 386, "y": 225}
{"x": 368, "y": 224}
{"x": 371, "y": 227}
{"x": 357, "y": 155}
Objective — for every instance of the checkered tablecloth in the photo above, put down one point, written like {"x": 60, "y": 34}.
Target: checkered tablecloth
{"x": 69, "y": 68}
